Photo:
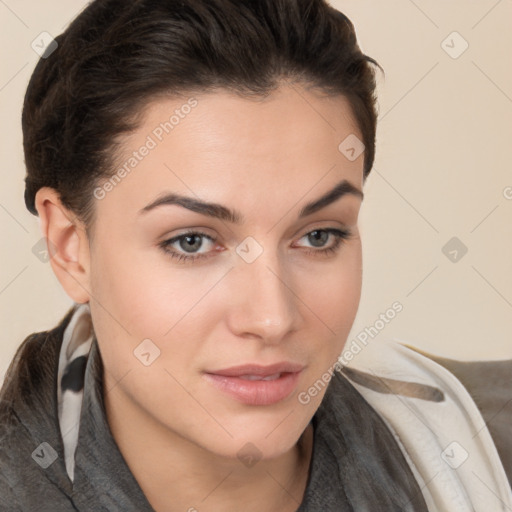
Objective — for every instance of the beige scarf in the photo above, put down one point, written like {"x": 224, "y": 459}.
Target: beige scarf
{"x": 445, "y": 441}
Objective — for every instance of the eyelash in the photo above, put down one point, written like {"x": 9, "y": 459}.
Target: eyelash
{"x": 340, "y": 235}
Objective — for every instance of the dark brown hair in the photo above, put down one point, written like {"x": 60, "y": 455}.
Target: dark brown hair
{"x": 118, "y": 55}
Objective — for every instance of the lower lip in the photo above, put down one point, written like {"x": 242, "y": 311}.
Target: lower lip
{"x": 255, "y": 392}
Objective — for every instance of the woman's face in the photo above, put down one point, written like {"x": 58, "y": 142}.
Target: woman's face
{"x": 278, "y": 289}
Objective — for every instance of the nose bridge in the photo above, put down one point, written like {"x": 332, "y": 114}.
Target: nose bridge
{"x": 268, "y": 307}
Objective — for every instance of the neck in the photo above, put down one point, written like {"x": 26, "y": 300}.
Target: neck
{"x": 185, "y": 477}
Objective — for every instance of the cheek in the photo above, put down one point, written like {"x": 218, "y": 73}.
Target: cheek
{"x": 333, "y": 292}
{"x": 138, "y": 288}
{"x": 138, "y": 295}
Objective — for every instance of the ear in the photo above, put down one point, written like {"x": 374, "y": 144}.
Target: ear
{"x": 68, "y": 245}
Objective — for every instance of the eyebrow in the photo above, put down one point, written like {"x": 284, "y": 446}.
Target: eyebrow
{"x": 221, "y": 212}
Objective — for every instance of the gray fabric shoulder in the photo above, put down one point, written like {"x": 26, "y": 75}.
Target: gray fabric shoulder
{"x": 24, "y": 484}
{"x": 490, "y": 385}
{"x": 32, "y": 471}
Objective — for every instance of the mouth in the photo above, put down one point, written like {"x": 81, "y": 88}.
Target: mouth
{"x": 256, "y": 385}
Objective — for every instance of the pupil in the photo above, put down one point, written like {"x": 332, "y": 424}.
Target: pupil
{"x": 315, "y": 238}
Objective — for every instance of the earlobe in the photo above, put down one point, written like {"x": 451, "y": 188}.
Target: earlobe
{"x": 68, "y": 245}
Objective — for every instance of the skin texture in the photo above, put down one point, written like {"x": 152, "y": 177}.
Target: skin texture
{"x": 265, "y": 158}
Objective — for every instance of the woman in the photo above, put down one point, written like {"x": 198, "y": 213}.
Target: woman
{"x": 198, "y": 169}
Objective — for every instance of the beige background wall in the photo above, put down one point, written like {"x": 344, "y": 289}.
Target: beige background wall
{"x": 442, "y": 171}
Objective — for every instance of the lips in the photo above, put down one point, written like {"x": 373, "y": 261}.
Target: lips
{"x": 254, "y": 384}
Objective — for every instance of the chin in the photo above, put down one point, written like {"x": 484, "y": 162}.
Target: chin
{"x": 266, "y": 439}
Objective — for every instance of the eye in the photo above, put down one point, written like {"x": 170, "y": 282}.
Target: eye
{"x": 183, "y": 247}
{"x": 319, "y": 237}
{"x": 188, "y": 242}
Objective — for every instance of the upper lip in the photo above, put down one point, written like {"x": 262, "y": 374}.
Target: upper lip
{"x": 259, "y": 370}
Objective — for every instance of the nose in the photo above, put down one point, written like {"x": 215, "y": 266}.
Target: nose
{"x": 264, "y": 306}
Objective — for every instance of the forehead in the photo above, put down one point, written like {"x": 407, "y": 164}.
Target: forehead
{"x": 303, "y": 113}
{"x": 236, "y": 150}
